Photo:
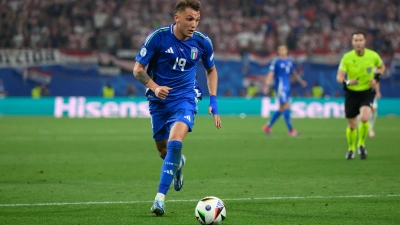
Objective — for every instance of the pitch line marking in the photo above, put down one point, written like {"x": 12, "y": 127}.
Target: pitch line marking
{"x": 195, "y": 200}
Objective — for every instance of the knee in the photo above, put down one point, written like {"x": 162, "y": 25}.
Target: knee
{"x": 364, "y": 118}
{"x": 176, "y": 137}
{"x": 352, "y": 125}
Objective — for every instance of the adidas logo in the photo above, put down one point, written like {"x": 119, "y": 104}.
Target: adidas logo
{"x": 170, "y": 50}
{"x": 187, "y": 117}
{"x": 170, "y": 172}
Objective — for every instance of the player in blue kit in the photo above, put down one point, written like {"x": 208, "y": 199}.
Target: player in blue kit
{"x": 280, "y": 70}
{"x": 172, "y": 54}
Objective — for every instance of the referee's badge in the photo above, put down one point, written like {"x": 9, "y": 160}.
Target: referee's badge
{"x": 369, "y": 69}
{"x": 193, "y": 53}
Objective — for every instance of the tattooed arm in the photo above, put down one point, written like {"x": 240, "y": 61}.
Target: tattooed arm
{"x": 140, "y": 74}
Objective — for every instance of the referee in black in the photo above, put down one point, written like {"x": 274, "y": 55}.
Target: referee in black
{"x": 356, "y": 73}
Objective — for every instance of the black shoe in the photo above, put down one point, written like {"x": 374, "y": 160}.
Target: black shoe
{"x": 362, "y": 152}
{"x": 350, "y": 155}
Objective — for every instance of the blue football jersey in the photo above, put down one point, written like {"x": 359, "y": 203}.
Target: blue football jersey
{"x": 173, "y": 62}
{"x": 282, "y": 69}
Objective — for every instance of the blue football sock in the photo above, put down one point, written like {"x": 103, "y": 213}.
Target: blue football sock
{"x": 274, "y": 118}
{"x": 286, "y": 115}
{"x": 170, "y": 165}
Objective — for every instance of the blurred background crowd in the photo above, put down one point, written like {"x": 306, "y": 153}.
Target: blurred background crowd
{"x": 233, "y": 25}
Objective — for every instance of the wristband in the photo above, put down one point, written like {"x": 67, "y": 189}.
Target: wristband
{"x": 377, "y": 77}
{"x": 213, "y": 104}
{"x": 346, "y": 82}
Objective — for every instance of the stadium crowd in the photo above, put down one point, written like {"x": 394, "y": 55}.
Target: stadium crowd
{"x": 233, "y": 25}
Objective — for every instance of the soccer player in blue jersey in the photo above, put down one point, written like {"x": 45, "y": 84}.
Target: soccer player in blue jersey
{"x": 172, "y": 54}
{"x": 280, "y": 71}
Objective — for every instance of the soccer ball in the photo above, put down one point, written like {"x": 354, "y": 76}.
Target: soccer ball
{"x": 210, "y": 210}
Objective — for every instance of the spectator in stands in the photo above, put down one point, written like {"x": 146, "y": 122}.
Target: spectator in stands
{"x": 3, "y": 92}
{"x": 44, "y": 91}
{"x": 295, "y": 93}
{"x": 108, "y": 91}
{"x": 336, "y": 94}
{"x": 131, "y": 90}
{"x": 307, "y": 94}
{"x": 228, "y": 93}
{"x": 252, "y": 90}
{"x": 302, "y": 24}
{"x": 243, "y": 92}
{"x": 317, "y": 91}
{"x": 36, "y": 91}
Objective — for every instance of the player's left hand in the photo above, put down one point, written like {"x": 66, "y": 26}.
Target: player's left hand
{"x": 378, "y": 95}
{"x": 162, "y": 91}
{"x": 213, "y": 109}
{"x": 303, "y": 83}
{"x": 217, "y": 120}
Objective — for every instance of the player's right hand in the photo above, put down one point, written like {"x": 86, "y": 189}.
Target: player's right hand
{"x": 162, "y": 91}
{"x": 353, "y": 82}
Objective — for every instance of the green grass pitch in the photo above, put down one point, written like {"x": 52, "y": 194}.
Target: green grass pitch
{"x": 106, "y": 171}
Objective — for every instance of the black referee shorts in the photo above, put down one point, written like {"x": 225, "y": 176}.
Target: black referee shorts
{"x": 355, "y": 99}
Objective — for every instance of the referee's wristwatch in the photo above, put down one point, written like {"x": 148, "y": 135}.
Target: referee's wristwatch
{"x": 346, "y": 81}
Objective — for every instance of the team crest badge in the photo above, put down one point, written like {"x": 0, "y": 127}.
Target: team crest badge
{"x": 143, "y": 52}
{"x": 369, "y": 69}
{"x": 194, "y": 52}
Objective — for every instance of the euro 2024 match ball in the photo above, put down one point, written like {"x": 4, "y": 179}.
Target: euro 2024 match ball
{"x": 210, "y": 210}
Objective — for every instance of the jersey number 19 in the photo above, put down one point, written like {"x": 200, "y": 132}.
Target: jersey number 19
{"x": 180, "y": 62}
